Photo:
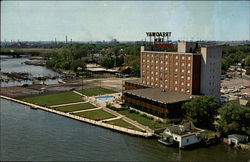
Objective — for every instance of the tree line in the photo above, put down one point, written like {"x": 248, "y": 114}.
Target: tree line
{"x": 231, "y": 118}
{"x": 107, "y": 55}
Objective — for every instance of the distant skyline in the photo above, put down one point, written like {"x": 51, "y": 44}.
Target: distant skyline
{"x": 124, "y": 21}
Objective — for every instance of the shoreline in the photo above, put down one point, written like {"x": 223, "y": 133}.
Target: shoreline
{"x": 93, "y": 122}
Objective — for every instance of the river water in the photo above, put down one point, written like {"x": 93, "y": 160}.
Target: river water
{"x": 9, "y": 64}
{"x": 28, "y": 134}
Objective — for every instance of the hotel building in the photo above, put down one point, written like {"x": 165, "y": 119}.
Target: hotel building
{"x": 170, "y": 78}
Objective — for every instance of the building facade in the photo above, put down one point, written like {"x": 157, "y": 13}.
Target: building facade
{"x": 186, "y": 71}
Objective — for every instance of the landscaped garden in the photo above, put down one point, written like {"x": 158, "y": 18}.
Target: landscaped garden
{"x": 122, "y": 123}
{"x": 96, "y": 91}
{"x": 75, "y": 107}
{"x": 95, "y": 114}
{"x": 143, "y": 119}
{"x": 54, "y": 99}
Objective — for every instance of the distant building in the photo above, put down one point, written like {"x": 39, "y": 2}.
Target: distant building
{"x": 183, "y": 73}
{"x": 185, "y": 135}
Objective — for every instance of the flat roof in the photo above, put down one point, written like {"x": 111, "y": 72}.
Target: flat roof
{"x": 177, "y": 53}
{"x": 158, "y": 95}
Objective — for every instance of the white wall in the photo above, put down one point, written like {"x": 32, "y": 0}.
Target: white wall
{"x": 211, "y": 71}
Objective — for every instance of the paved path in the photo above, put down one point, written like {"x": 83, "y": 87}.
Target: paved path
{"x": 79, "y": 93}
{"x": 85, "y": 110}
{"x": 75, "y": 103}
{"x": 115, "y": 118}
{"x": 135, "y": 123}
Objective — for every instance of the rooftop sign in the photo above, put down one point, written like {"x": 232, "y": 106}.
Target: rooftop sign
{"x": 159, "y": 39}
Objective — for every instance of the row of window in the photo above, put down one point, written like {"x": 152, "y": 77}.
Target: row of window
{"x": 175, "y": 82}
{"x": 156, "y": 61}
{"x": 166, "y": 86}
{"x": 166, "y": 68}
{"x": 161, "y": 74}
{"x": 167, "y": 56}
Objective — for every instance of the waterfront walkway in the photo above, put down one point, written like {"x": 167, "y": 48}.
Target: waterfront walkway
{"x": 98, "y": 123}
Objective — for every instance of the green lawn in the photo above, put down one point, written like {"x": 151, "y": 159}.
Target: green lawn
{"x": 76, "y": 107}
{"x": 95, "y": 115}
{"x": 122, "y": 123}
{"x": 96, "y": 91}
{"x": 54, "y": 99}
{"x": 143, "y": 120}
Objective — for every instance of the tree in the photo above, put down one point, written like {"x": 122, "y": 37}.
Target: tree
{"x": 201, "y": 111}
{"x": 247, "y": 61}
{"x": 234, "y": 119}
{"x": 77, "y": 63}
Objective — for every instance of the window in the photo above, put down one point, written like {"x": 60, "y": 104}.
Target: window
{"x": 144, "y": 60}
{"x": 157, "y": 61}
{"x": 189, "y": 71}
{"x": 152, "y": 61}
{"x": 182, "y": 77}
{"x": 175, "y": 88}
{"x": 166, "y": 80}
{"x": 188, "y": 84}
{"x": 189, "y": 58}
{"x": 183, "y": 57}
{"x": 156, "y": 73}
{"x": 176, "y": 70}
{"x": 152, "y": 72}
{"x": 156, "y": 78}
{"x": 175, "y": 82}
{"x": 143, "y": 81}
{"x": 161, "y": 68}
{"x": 147, "y": 77}
{"x": 166, "y": 68}
{"x": 182, "y": 83}
{"x": 152, "y": 55}
{"x": 161, "y": 85}
{"x": 147, "y": 60}
{"x": 188, "y": 90}
{"x": 176, "y": 63}
{"x": 187, "y": 140}
{"x": 182, "y": 90}
{"x": 166, "y": 86}
{"x": 156, "y": 67}
{"x": 182, "y": 64}
{"x": 189, "y": 64}
{"x": 166, "y": 62}
{"x": 176, "y": 57}
{"x": 152, "y": 83}
{"x": 147, "y": 66}
{"x": 182, "y": 70}
{"x": 161, "y": 62}
{"x": 188, "y": 77}
{"x": 152, "y": 78}
{"x": 166, "y": 56}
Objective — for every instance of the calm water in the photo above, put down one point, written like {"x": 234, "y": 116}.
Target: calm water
{"x": 28, "y": 134}
{"x": 104, "y": 98}
{"x": 9, "y": 64}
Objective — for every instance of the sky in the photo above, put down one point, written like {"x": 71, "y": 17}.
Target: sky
{"x": 124, "y": 20}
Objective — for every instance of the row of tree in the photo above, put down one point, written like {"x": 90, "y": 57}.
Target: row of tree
{"x": 235, "y": 54}
{"x": 202, "y": 111}
{"x": 107, "y": 55}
